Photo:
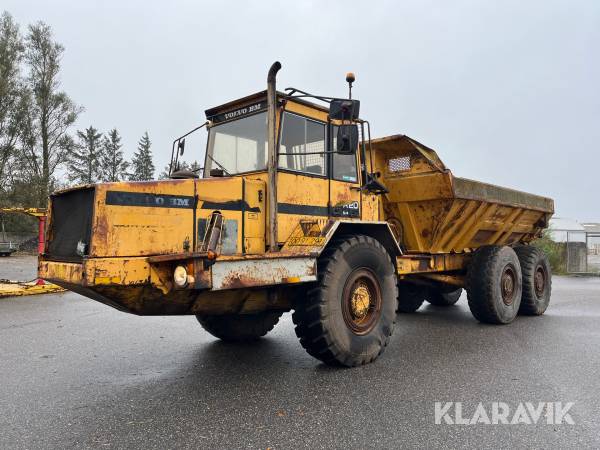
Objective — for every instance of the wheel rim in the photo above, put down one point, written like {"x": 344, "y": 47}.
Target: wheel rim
{"x": 508, "y": 283}
{"x": 539, "y": 281}
{"x": 361, "y": 301}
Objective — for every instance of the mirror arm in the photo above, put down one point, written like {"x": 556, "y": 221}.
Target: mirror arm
{"x": 175, "y": 155}
{"x": 373, "y": 186}
{"x": 291, "y": 93}
{"x": 363, "y": 156}
{"x": 172, "y": 155}
{"x": 370, "y": 183}
{"x": 370, "y": 146}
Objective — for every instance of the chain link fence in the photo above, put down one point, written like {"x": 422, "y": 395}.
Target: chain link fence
{"x": 583, "y": 252}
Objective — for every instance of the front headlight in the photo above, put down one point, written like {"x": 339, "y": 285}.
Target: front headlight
{"x": 180, "y": 276}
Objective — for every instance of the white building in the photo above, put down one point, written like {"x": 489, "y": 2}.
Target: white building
{"x": 563, "y": 230}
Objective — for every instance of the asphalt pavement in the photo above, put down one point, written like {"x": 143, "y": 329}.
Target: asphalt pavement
{"x": 18, "y": 267}
{"x": 77, "y": 374}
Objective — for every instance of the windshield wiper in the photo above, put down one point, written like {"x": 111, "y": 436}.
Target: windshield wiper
{"x": 218, "y": 164}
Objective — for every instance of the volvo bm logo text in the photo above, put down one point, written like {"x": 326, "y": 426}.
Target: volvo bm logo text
{"x": 242, "y": 111}
{"x": 160, "y": 201}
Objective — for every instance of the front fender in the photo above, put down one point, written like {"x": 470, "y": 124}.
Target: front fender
{"x": 313, "y": 236}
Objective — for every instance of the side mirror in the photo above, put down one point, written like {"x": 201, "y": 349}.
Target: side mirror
{"x": 181, "y": 146}
{"x": 344, "y": 109}
{"x": 347, "y": 139}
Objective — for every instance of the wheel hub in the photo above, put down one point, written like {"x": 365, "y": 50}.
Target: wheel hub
{"x": 539, "y": 281}
{"x": 361, "y": 301}
{"x": 507, "y": 285}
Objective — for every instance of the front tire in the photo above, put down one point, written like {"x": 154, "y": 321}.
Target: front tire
{"x": 239, "y": 327}
{"x": 537, "y": 280}
{"x": 349, "y": 315}
{"x": 494, "y": 285}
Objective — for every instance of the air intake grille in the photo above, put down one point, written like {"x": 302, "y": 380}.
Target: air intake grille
{"x": 71, "y": 223}
{"x": 399, "y": 164}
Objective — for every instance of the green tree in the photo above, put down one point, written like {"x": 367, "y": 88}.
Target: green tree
{"x": 13, "y": 98}
{"x": 45, "y": 142}
{"x": 183, "y": 165}
{"x": 142, "y": 164}
{"x": 112, "y": 162}
{"x": 84, "y": 158}
{"x": 555, "y": 251}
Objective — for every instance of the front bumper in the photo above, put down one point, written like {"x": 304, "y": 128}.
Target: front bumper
{"x": 226, "y": 273}
{"x": 96, "y": 271}
{"x": 145, "y": 287}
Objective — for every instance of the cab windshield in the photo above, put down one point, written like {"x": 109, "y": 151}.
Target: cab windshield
{"x": 238, "y": 146}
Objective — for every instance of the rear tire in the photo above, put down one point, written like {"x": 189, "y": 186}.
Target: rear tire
{"x": 494, "y": 285}
{"x": 239, "y": 327}
{"x": 410, "y": 297}
{"x": 537, "y": 280}
{"x": 439, "y": 297}
{"x": 348, "y": 317}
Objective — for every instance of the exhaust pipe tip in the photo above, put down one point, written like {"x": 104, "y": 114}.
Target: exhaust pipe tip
{"x": 273, "y": 71}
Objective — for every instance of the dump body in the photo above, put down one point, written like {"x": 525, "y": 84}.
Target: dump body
{"x": 433, "y": 212}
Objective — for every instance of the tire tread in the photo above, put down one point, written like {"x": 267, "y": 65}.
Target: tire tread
{"x": 480, "y": 284}
{"x": 239, "y": 327}
{"x": 529, "y": 257}
{"x": 308, "y": 318}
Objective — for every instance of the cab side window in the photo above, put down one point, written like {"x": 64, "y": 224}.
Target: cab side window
{"x": 302, "y": 145}
{"x": 344, "y": 166}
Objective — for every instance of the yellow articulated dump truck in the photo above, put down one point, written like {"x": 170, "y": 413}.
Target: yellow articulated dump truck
{"x": 297, "y": 208}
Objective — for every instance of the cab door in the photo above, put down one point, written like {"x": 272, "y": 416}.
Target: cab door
{"x": 303, "y": 174}
{"x": 344, "y": 188}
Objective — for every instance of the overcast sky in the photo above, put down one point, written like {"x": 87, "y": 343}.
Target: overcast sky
{"x": 507, "y": 92}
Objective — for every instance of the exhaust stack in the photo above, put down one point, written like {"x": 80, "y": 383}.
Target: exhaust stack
{"x": 272, "y": 153}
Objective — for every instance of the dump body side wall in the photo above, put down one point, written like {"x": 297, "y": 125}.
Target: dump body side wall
{"x": 431, "y": 211}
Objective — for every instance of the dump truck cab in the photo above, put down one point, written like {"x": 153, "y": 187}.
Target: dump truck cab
{"x": 297, "y": 208}
{"x": 313, "y": 179}
{"x": 126, "y": 243}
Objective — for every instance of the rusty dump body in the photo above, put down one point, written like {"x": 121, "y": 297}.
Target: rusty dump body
{"x": 444, "y": 218}
{"x": 122, "y": 243}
